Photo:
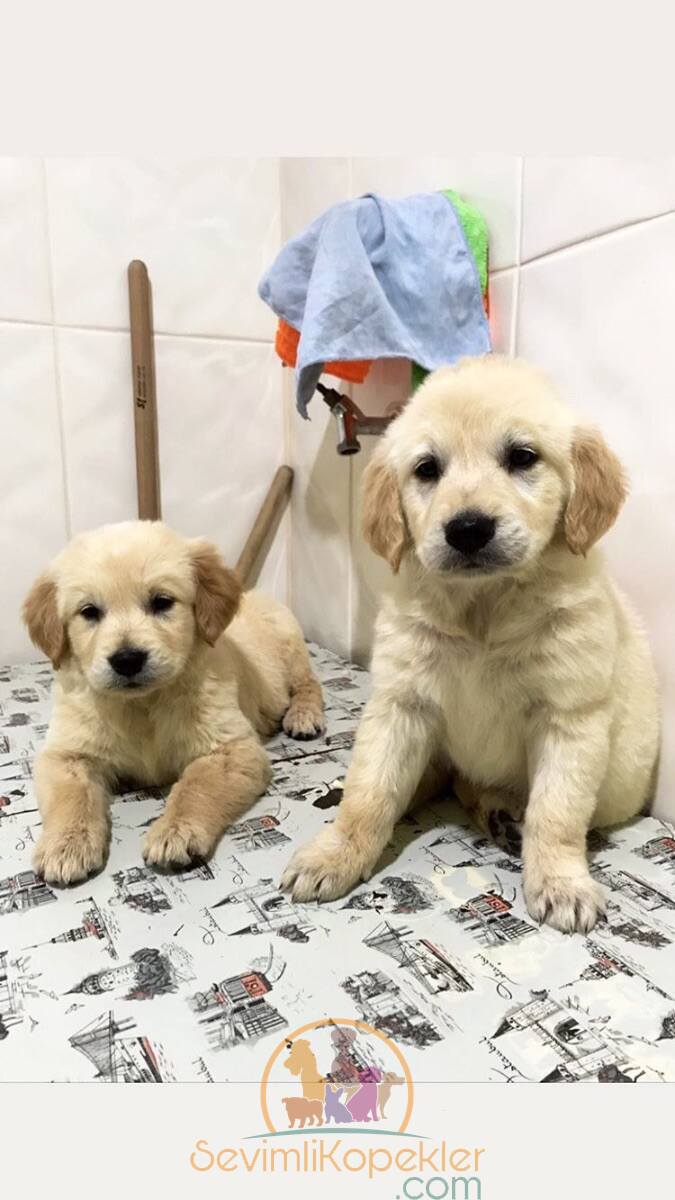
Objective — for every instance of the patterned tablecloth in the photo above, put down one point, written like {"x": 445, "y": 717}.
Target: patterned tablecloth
{"x": 135, "y": 976}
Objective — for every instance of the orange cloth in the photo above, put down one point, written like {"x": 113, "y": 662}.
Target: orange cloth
{"x": 286, "y": 346}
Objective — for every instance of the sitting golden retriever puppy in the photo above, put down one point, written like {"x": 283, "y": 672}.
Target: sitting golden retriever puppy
{"x": 504, "y": 653}
{"x": 150, "y": 688}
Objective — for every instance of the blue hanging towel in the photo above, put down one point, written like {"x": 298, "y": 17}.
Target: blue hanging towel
{"x": 375, "y": 278}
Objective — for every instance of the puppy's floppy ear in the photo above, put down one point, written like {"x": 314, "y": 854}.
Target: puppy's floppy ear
{"x": 599, "y": 488}
{"x": 382, "y": 519}
{"x": 218, "y": 591}
{"x": 41, "y": 616}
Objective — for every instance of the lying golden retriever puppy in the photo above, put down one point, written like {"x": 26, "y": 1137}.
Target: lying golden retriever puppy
{"x": 504, "y": 653}
{"x": 150, "y": 688}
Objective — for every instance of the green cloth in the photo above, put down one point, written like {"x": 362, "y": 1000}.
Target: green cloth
{"x": 475, "y": 231}
{"x": 474, "y": 227}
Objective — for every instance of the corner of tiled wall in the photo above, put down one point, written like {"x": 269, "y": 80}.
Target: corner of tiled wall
{"x": 335, "y": 580}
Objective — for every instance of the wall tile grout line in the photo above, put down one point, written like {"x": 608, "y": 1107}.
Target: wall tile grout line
{"x": 289, "y": 433}
{"x": 160, "y": 333}
{"x": 503, "y": 271}
{"x": 287, "y": 523}
{"x": 513, "y": 332}
{"x": 254, "y": 341}
{"x": 56, "y": 358}
{"x": 351, "y": 498}
{"x": 597, "y": 237}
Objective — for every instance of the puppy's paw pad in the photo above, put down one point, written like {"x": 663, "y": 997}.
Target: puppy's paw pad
{"x": 303, "y": 722}
{"x": 505, "y": 832}
{"x": 572, "y": 904}
{"x": 174, "y": 844}
{"x": 70, "y": 856}
{"x": 322, "y": 870}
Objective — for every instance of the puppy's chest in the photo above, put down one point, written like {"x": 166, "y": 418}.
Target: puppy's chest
{"x": 149, "y": 751}
{"x": 155, "y": 747}
{"x": 485, "y": 692}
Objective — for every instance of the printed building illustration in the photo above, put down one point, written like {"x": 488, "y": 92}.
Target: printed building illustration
{"x": 271, "y": 911}
{"x": 582, "y": 1052}
{"x": 426, "y": 961}
{"x": 660, "y": 850}
{"x": 237, "y": 1010}
{"x": 608, "y": 962}
{"x": 258, "y": 832}
{"x": 203, "y": 871}
{"x": 396, "y": 894}
{"x": 23, "y": 891}
{"x": 140, "y": 888}
{"x": 477, "y": 850}
{"x": 635, "y": 931}
{"x": 667, "y": 1027}
{"x": 150, "y": 972}
{"x": 605, "y": 964}
{"x": 11, "y": 1002}
{"x": 8, "y": 798}
{"x": 490, "y": 918}
{"x": 645, "y": 895}
{"x": 117, "y": 1056}
{"x": 21, "y": 768}
{"x": 382, "y": 1004}
{"x": 92, "y": 925}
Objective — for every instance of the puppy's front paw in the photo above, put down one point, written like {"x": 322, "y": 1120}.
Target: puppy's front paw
{"x": 173, "y": 842}
{"x": 67, "y": 856}
{"x": 571, "y": 903}
{"x": 324, "y": 869}
{"x": 303, "y": 721}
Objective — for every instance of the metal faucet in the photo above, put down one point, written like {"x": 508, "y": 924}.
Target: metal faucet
{"x": 350, "y": 420}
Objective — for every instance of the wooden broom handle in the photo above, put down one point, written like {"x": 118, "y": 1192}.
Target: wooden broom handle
{"x": 145, "y": 395}
{"x": 271, "y": 512}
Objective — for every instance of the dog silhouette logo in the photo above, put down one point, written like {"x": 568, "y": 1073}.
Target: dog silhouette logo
{"x": 342, "y": 1073}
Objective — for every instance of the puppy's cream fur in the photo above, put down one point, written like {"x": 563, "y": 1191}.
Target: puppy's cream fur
{"x": 525, "y": 673}
{"x": 196, "y": 713}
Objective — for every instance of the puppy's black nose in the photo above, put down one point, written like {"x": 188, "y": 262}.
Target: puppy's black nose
{"x": 469, "y": 531}
{"x": 128, "y": 662}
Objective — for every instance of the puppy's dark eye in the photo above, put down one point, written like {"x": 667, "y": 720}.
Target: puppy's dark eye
{"x": 427, "y": 468}
{"x": 521, "y": 458}
{"x": 91, "y": 613}
{"x": 161, "y": 603}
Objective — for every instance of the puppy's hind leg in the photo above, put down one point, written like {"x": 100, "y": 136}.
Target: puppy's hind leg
{"x": 304, "y": 717}
{"x": 497, "y": 813}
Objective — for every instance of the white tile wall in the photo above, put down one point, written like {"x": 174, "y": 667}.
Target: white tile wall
{"x": 24, "y": 255}
{"x": 32, "y": 510}
{"x": 221, "y": 434}
{"x": 320, "y": 501}
{"x": 68, "y": 228}
{"x": 598, "y": 315}
{"x": 207, "y": 230}
{"x": 567, "y": 200}
{"x": 98, "y": 420}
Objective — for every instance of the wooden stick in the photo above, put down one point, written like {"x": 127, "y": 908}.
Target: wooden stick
{"x": 265, "y": 524}
{"x": 145, "y": 396}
